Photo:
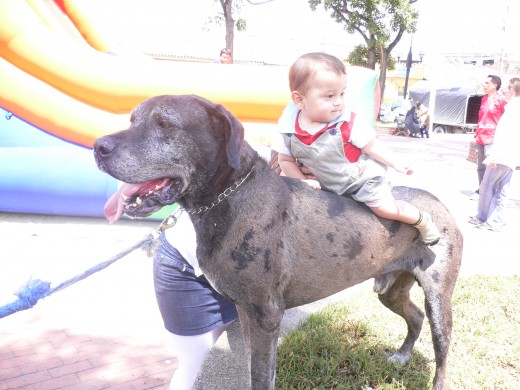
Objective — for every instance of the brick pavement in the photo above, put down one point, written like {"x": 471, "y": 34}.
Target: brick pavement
{"x": 103, "y": 332}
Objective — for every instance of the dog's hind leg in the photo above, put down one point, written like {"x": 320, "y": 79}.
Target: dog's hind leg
{"x": 439, "y": 311}
{"x": 397, "y": 298}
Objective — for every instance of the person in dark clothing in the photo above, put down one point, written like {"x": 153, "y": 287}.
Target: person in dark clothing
{"x": 411, "y": 120}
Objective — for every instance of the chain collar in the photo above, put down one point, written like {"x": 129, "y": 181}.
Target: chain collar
{"x": 223, "y": 195}
{"x": 171, "y": 219}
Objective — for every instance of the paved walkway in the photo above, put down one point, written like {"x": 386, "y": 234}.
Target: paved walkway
{"x": 105, "y": 332}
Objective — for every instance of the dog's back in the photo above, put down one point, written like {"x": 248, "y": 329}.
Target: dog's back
{"x": 317, "y": 243}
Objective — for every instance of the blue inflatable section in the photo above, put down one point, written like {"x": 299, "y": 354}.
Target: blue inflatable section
{"x": 42, "y": 174}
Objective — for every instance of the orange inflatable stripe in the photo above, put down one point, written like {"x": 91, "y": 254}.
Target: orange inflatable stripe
{"x": 55, "y": 18}
{"x": 118, "y": 84}
{"x": 83, "y": 15}
{"x": 67, "y": 88}
{"x": 53, "y": 111}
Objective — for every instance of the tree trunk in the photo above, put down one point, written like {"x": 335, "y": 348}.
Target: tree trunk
{"x": 230, "y": 25}
{"x": 372, "y": 58}
{"x": 382, "y": 70}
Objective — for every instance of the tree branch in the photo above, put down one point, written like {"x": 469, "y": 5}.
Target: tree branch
{"x": 262, "y": 2}
{"x": 339, "y": 13}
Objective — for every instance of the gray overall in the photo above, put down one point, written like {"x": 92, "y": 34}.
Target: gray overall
{"x": 364, "y": 179}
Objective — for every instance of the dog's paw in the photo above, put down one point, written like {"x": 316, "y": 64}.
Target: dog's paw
{"x": 399, "y": 359}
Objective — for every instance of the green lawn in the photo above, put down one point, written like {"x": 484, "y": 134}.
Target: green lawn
{"x": 346, "y": 346}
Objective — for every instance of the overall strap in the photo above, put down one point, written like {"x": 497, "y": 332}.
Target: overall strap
{"x": 352, "y": 152}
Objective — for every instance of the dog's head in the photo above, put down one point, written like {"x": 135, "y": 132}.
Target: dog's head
{"x": 171, "y": 140}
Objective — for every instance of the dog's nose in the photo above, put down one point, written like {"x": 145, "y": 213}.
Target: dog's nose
{"x": 104, "y": 146}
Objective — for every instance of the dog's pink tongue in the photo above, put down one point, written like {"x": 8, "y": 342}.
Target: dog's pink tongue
{"x": 114, "y": 207}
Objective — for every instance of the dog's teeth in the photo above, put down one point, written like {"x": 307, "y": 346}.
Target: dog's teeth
{"x": 125, "y": 197}
{"x": 138, "y": 200}
{"x": 157, "y": 187}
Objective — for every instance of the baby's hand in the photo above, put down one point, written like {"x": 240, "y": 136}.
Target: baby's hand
{"x": 407, "y": 170}
{"x": 313, "y": 183}
{"x": 403, "y": 169}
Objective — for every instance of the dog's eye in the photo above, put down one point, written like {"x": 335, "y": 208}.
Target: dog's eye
{"x": 164, "y": 124}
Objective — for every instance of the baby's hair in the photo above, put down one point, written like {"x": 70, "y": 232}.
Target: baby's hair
{"x": 306, "y": 66}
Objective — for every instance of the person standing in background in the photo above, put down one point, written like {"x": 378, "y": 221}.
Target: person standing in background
{"x": 491, "y": 109}
{"x": 501, "y": 163}
{"x": 225, "y": 57}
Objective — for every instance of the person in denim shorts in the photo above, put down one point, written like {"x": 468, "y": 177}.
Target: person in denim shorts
{"x": 194, "y": 314}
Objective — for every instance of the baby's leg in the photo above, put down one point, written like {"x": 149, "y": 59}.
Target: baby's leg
{"x": 402, "y": 211}
{"x": 191, "y": 352}
{"x": 397, "y": 210}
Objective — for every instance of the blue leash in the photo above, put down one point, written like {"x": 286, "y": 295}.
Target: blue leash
{"x": 34, "y": 290}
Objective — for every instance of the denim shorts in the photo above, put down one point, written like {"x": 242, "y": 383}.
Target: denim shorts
{"x": 188, "y": 304}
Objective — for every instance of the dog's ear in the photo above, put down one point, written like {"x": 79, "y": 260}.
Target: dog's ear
{"x": 234, "y": 135}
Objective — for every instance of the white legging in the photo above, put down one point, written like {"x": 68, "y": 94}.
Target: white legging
{"x": 191, "y": 352}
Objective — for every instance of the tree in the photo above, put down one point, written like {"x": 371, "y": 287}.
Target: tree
{"x": 381, "y": 23}
{"x": 359, "y": 57}
{"x": 230, "y": 8}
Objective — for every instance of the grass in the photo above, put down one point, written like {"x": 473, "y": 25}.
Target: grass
{"x": 347, "y": 346}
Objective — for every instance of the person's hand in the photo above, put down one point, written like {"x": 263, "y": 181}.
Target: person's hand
{"x": 313, "y": 183}
{"x": 408, "y": 170}
{"x": 403, "y": 169}
{"x": 307, "y": 172}
{"x": 492, "y": 165}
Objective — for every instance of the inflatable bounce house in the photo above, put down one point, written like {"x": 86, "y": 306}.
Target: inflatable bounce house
{"x": 62, "y": 86}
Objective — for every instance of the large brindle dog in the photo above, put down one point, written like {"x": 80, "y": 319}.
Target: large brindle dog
{"x": 270, "y": 243}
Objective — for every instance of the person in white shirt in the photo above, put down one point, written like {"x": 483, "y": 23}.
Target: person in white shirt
{"x": 501, "y": 162}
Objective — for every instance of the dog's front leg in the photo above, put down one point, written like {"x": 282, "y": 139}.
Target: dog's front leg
{"x": 244, "y": 325}
{"x": 263, "y": 330}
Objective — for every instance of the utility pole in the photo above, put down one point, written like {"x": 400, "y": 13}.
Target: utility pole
{"x": 504, "y": 25}
{"x": 408, "y": 67}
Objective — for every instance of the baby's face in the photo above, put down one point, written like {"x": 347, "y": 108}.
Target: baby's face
{"x": 324, "y": 99}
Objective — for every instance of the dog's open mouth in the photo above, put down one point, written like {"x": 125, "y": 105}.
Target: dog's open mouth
{"x": 139, "y": 199}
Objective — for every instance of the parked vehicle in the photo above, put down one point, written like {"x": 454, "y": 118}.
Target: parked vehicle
{"x": 456, "y": 107}
{"x": 391, "y": 111}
